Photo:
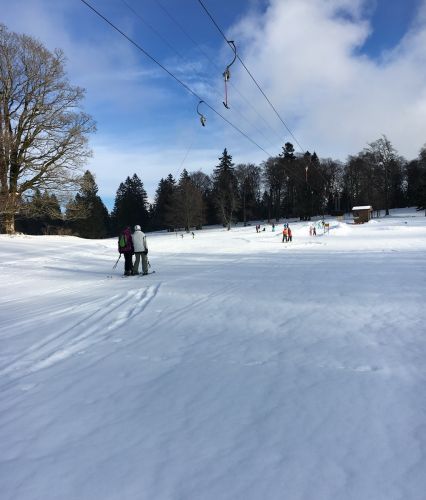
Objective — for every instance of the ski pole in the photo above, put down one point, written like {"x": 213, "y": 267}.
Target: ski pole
{"x": 115, "y": 265}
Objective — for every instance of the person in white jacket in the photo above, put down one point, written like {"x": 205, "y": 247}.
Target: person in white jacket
{"x": 141, "y": 250}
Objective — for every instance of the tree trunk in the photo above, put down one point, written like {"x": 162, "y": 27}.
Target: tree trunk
{"x": 8, "y": 223}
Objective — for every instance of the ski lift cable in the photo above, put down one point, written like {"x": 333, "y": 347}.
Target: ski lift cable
{"x": 252, "y": 77}
{"x": 172, "y": 75}
{"x": 199, "y": 75}
{"x": 180, "y": 169}
{"x": 257, "y": 84}
{"x": 180, "y": 82}
{"x": 146, "y": 23}
{"x": 234, "y": 87}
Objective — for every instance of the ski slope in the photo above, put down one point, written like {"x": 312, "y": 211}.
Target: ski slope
{"x": 244, "y": 368}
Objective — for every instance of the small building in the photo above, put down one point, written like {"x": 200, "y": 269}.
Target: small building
{"x": 362, "y": 214}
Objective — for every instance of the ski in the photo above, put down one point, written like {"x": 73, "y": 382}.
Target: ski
{"x": 110, "y": 276}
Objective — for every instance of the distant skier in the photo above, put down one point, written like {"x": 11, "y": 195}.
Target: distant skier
{"x": 289, "y": 233}
{"x": 125, "y": 247}
{"x": 141, "y": 251}
{"x": 285, "y": 234}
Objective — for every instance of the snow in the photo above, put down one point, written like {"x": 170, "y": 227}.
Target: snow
{"x": 365, "y": 207}
{"x": 244, "y": 368}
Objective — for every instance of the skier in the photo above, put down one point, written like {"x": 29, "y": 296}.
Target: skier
{"x": 285, "y": 234}
{"x": 289, "y": 233}
{"x": 125, "y": 247}
{"x": 141, "y": 250}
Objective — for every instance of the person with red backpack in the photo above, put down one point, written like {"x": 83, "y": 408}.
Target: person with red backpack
{"x": 125, "y": 247}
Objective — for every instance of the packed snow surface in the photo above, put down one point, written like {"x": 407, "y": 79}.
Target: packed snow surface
{"x": 244, "y": 368}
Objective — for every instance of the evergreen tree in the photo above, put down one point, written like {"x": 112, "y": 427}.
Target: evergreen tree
{"x": 225, "y": 189}
{"x": 131, "y": 205}
{"x": 163, "y": 203}
{"x": 40, "y": 214}
{"x": 33, "y": 216}
{"x": 87, "y": 215}
{"x": 289, "y": 188}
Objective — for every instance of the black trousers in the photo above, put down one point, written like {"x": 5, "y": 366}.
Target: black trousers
{"x": 128, "y": 265}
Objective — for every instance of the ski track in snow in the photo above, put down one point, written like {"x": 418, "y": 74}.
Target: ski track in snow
{"x": 95, "y": 326}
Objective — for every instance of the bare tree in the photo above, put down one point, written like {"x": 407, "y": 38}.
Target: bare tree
{"x": 383, "y": 157}
{"x": 187, "y": 206}
{"x": 248, "y": 182}
{"x": 43, "y": 132}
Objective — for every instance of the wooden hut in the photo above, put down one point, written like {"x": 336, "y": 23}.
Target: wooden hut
{"x": 362, "y": 214}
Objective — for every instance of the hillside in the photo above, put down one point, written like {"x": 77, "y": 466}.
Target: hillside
{"x": 244, "y": 368}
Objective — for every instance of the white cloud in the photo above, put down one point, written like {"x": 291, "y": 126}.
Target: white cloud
{"x": 306, "y": 56}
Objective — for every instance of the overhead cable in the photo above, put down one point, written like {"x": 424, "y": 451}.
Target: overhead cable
{"x": 252, "y": 77}
{"x": 197, "y": 45}
{"x": 171, "y": 74}
{"x": 136, "y": 14}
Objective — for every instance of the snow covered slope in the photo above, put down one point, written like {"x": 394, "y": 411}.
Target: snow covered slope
{"x": 244, "y": 368}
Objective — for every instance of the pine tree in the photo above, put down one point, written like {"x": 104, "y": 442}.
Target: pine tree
{"x": 163, "y": 202}
{"x": 289, "y": 165}
{"x": 131, "y": 205}
{"x": 225, "y": 190}
{"x": 40, "y": 214}
{"x": 93, "y": 218}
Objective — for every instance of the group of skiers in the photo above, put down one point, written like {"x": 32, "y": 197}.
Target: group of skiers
{"x": 287, "y": 234}
{"x": 133, "y": 244}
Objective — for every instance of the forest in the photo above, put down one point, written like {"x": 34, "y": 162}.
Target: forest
{"x": 286, "y": 186}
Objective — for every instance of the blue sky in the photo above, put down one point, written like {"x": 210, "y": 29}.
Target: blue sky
{"x": 340, "y": 73}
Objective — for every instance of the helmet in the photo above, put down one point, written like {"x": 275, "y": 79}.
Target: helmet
{"x": 137, "y": 228}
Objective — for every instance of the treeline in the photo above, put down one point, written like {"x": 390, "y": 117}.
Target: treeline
{"x": 286, "y": 186}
